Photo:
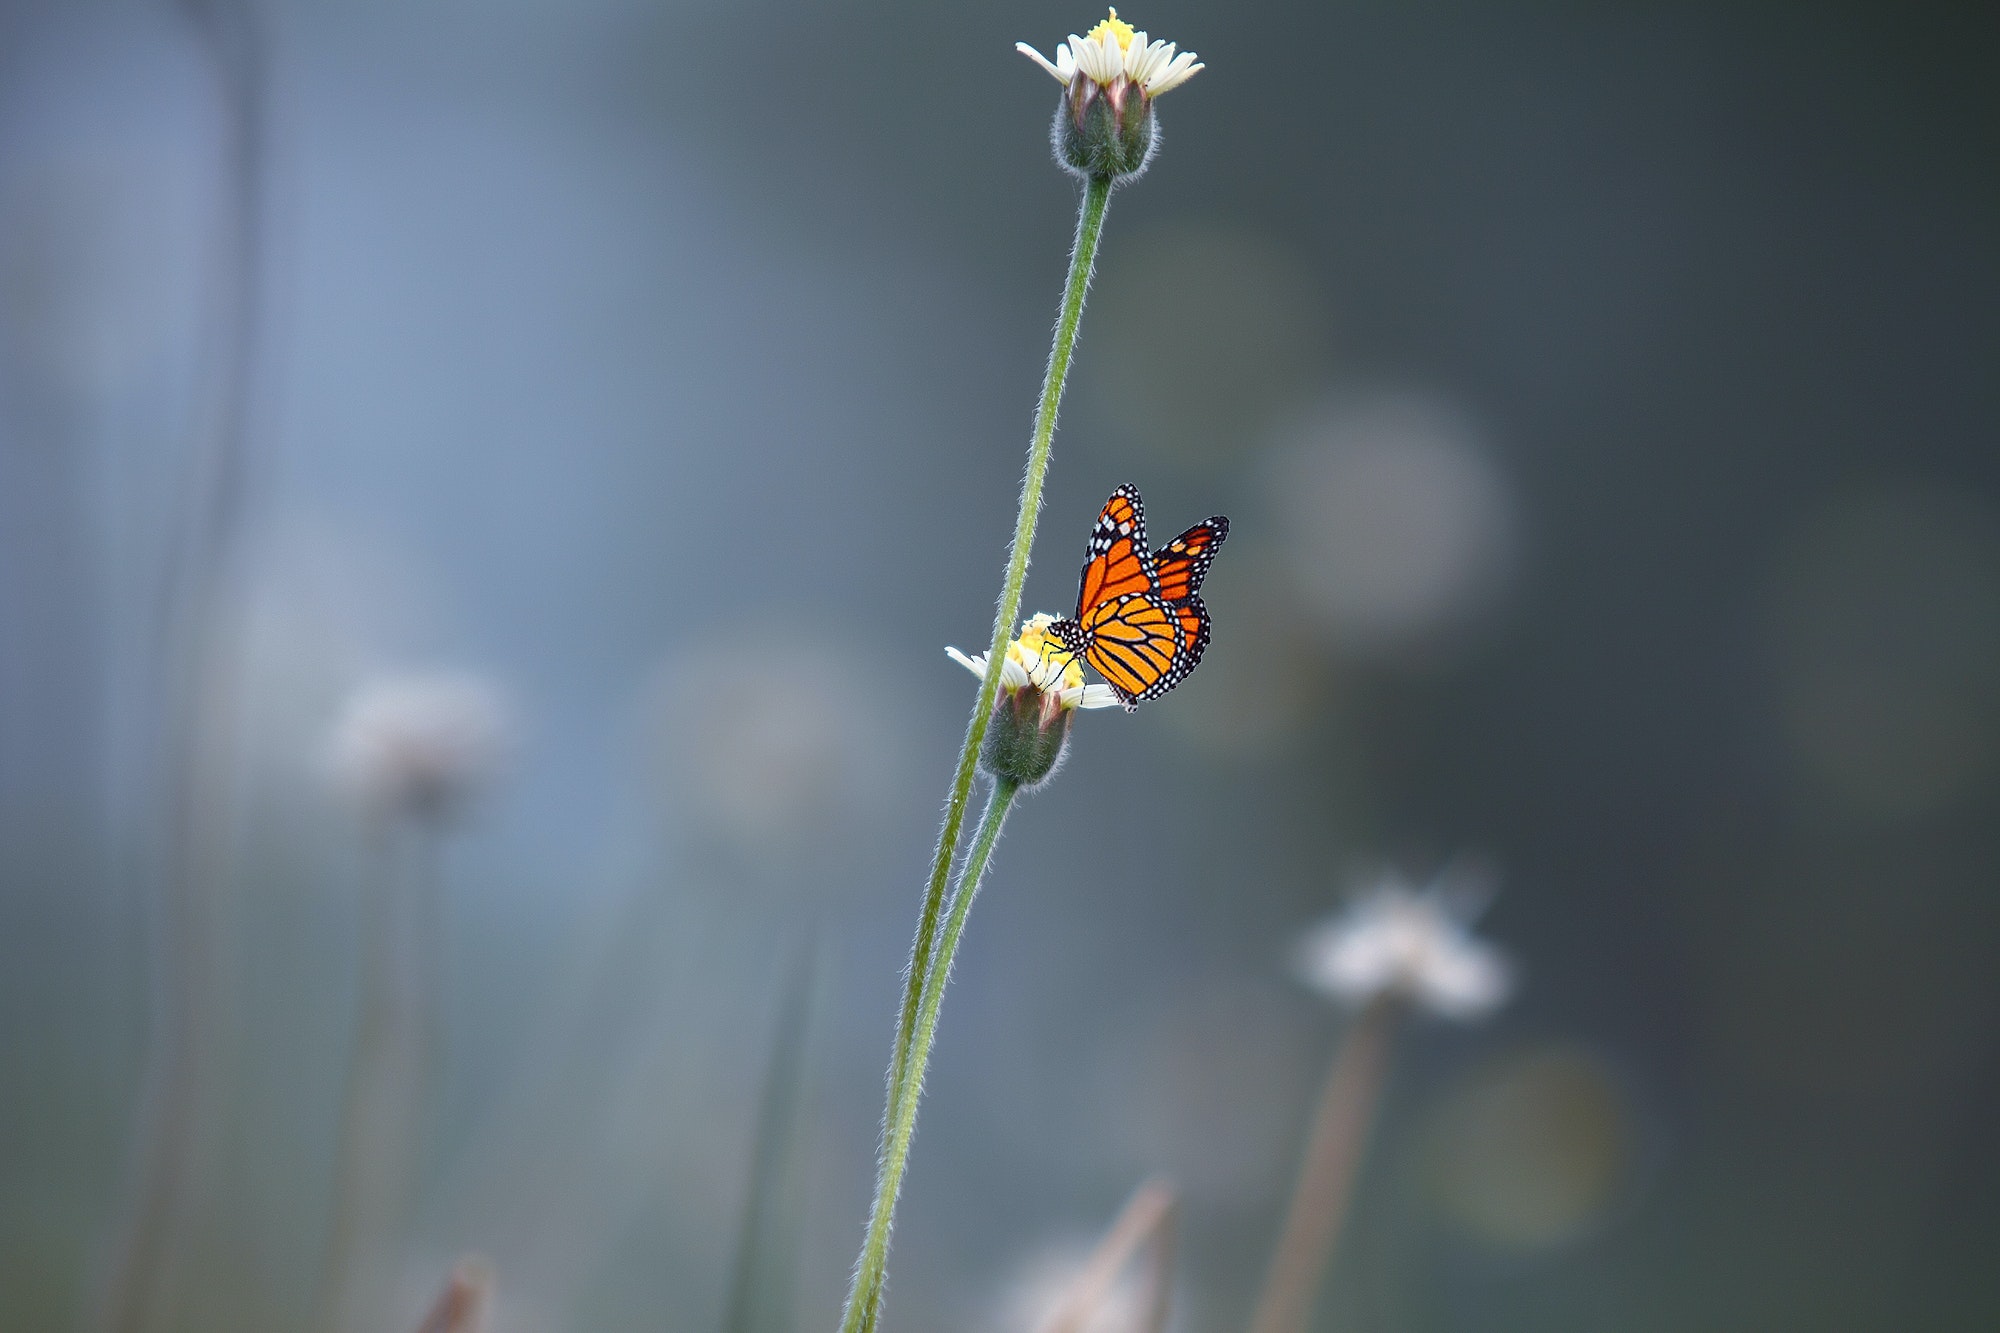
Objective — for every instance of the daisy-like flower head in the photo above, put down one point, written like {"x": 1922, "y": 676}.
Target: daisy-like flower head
{"x": 1411, "y": 944}
{"x": 420, "y": 745}
{"x": 1104, "y": 126}
{"x": 1041, "y": 687}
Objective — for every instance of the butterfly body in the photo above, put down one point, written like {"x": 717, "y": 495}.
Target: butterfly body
{"x": 1140, "y": 622}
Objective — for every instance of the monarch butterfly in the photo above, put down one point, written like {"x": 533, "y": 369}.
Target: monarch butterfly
{"x": 1139, "y": 621}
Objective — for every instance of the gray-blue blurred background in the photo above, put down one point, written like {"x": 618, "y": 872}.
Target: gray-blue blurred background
{"x": 1605, "y": 401}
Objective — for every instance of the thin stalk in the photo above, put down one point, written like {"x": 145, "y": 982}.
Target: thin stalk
{"x": 865, "y": 1301}
{"x": 1082, "y": 260}
{"x": 461, "y": 1306}
{"x": 1326, "y": 1176}
{"x": 383, "y": 1108}
{"x": 196, "y": 736}
{"x": 1148, "y": 1216}
{"x": 762, "y": 1286}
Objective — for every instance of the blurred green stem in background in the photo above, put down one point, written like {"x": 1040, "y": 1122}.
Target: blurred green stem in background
{"x": 906, "y": 1066}
{"x": 196, "y": 738}
{"x": 1147, "y": 1220}
{"x": 1339, "y": 1137}
{"x": 760, "y": 1292}
{"x": 395, "y": 1043}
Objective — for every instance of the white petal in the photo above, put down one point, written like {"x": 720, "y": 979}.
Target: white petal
{"x": 1042, "y": 60}
{"x": 976, "y": 665}
{"x": 1183, "y": 68}
{"x": 1089, "y": 58}
{"x": 1110, "y": 60}
{"x": 1134, "y": 54}
{"x": 1150, "y": 61}
{"x": 1094, "y": 696}
{"x": 1114, "y": 54}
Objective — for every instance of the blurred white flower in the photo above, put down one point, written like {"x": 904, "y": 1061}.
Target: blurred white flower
{"x": 1400, "y": 527}
{"x": 773, "y": 739}
{"x": 422, "y": 745}
{"x": 1035, "y": 659}
{"x": 1395, "y": 940}
{"x": 1113, "y": 50}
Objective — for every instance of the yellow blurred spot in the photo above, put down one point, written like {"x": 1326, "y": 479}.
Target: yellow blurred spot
{"x": 1884, "y": 612}
{"x": 1533, "y": 1148}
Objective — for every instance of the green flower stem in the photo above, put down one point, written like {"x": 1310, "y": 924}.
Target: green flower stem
{"x": 865, "y": 1302}
{"x": 384, "y": 1099}
{"x": 1083, "y": 257}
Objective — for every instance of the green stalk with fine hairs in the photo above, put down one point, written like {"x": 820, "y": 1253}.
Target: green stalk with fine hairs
{"x": 906, "y": 1073}
{"x": 865, "y": 1302}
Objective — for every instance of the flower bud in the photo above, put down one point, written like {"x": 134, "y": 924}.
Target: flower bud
{"x": 1104, "y": 127}
{"x": 1024, "y": 743}
{"x": 1104, "y": 130}
{"x": 421, "y": 746}
{"x": 1041, "y": 687}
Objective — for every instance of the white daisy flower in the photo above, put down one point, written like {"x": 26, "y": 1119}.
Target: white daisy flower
{"x": 1036, "y": 661}
{"x": 1113, "y": 50}
{"x": 1041, "y": 687}
{"x": 1394, "y": 940}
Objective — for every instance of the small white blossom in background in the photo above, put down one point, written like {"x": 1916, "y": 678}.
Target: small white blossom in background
{"x": 1413, "y": 944}
{"x": 422, "y": 745}
{"x": 776, "y": 740}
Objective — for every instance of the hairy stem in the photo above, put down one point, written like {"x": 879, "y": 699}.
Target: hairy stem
{"x": 1083, "y": 257}
{"x": 865, "y": 1301}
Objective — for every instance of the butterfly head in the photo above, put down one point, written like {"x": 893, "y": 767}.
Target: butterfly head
{"x": 1068, "y": 637}
{"x": 1046, "y": 651}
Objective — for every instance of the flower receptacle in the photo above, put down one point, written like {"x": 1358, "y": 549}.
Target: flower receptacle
{"x": 1104, "y": 131}
{"x": 1024, "y": 743}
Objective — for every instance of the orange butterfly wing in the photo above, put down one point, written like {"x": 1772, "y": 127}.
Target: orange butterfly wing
{"x": 1117, "y": 562}
{"x": 1138, "y": 621}
{"x": 1183, "y": 563}
{"x": 1134, "y": 642}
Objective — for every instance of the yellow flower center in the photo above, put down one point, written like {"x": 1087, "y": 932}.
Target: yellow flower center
{"x": 1045, "y": 660}
{"x": 1117, "y": 27}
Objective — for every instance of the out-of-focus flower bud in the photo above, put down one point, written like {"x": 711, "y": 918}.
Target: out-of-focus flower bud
{"x": 420, "y": 745}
